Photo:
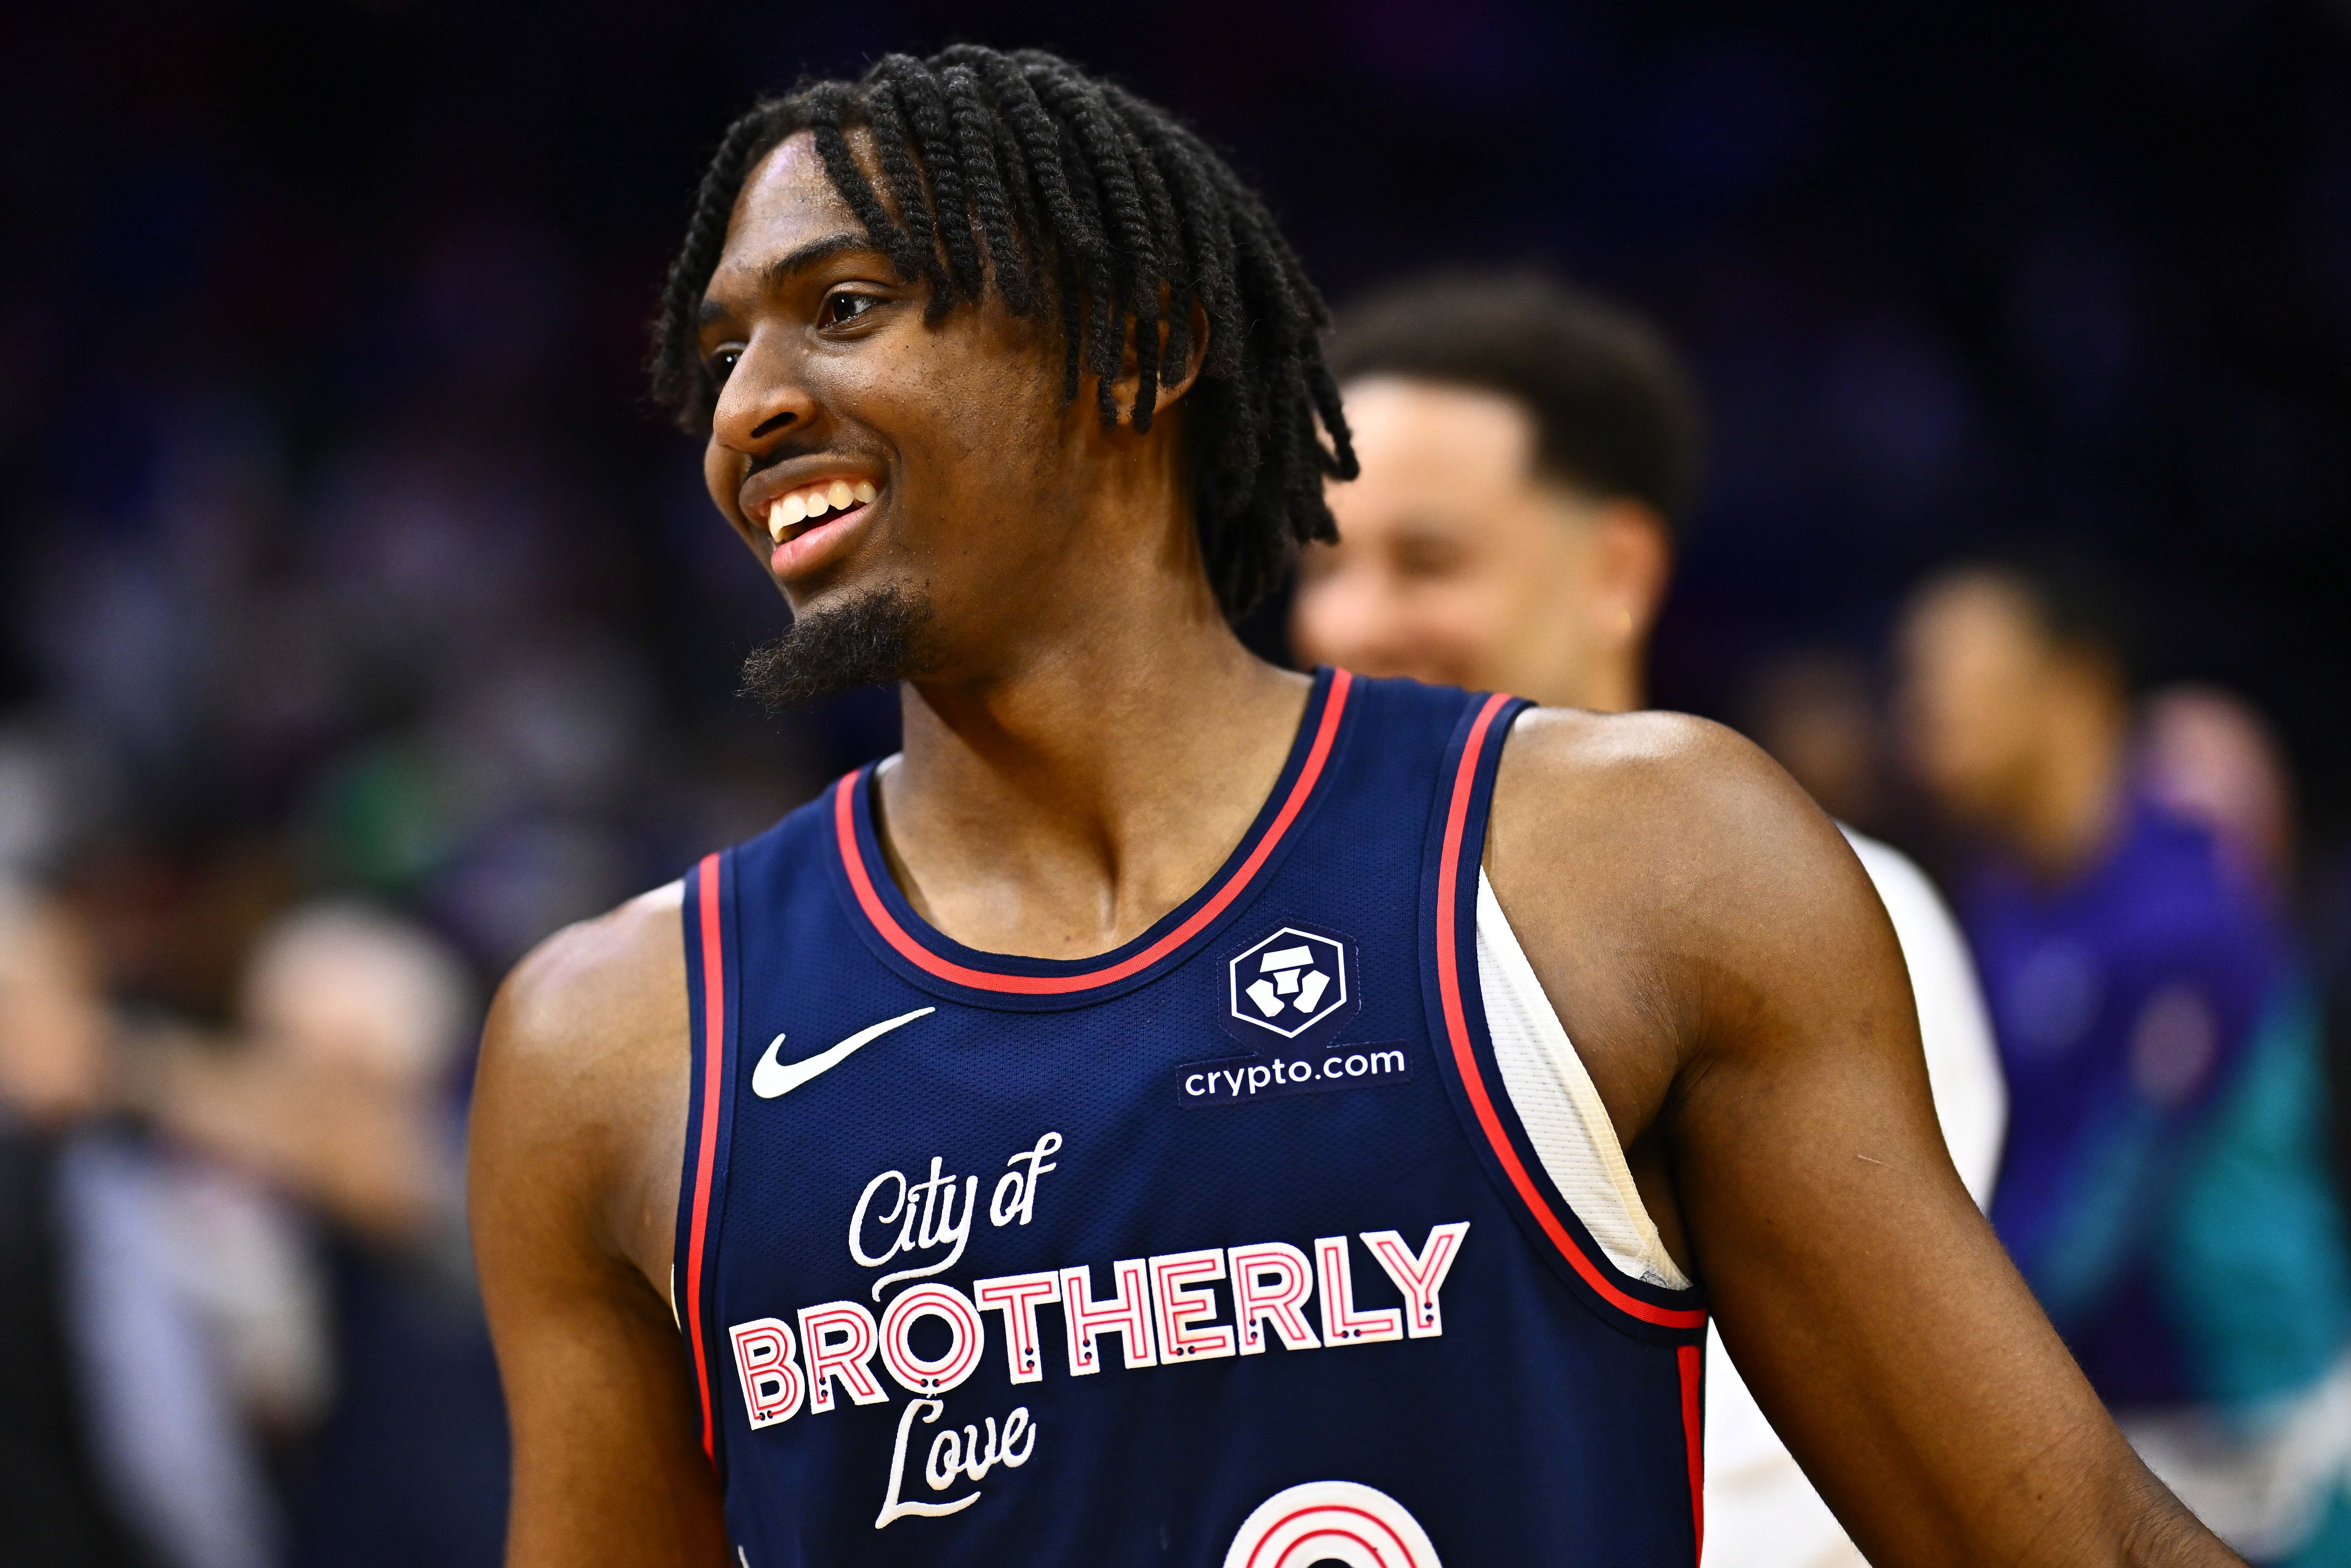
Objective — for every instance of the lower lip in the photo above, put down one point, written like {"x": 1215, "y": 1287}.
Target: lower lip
{"x": 812, "y": 547}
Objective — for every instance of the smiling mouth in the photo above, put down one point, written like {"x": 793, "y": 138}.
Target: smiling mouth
{"x": 797, "y": 511}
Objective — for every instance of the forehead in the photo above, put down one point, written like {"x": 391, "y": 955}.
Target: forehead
{"x": 1417, "y": 434}
{"x": 1976, "y": 611}
{"x": 786, "y": 202}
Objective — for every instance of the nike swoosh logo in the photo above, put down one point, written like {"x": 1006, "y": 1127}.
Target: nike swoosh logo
{"x": 771, "y": 1078}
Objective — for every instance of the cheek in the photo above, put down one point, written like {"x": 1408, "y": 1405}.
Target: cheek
{"x": 1441, "y": 629}
{"x": 983, "y": 378}
{"x": 1329, "y": 618}
{"x": 1970, "y": 716}
{"x": 1469, "y": 615}
{"x": 975, "y": 434}
{"x": 722, "y": 475}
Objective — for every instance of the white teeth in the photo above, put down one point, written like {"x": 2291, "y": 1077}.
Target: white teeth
{"x": 837, "y": 497}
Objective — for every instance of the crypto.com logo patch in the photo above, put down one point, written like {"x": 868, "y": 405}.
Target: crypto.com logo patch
{"x": 1292, "y": 984}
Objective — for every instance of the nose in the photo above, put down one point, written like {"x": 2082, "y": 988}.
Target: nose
{"x": 765, "y": 398}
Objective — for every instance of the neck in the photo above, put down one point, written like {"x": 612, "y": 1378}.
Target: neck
{"x": 1611, "y": 680}
{"x": 1059, "y": 803}
{"x": 2073, "y": 797}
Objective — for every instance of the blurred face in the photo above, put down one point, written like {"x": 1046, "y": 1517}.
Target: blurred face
{"x": 1458, "y": 563}
{"x": 2208, "y": 755}
{"x": 375, "y": 1006}
{"x": 52, "y": 1017}
{"x": 863, "y": 453}
{"x": 1976, "y": 670}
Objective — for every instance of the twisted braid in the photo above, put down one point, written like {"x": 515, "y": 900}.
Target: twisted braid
{"x": 1134, "y": 271}
{"x": 1100, "y": 283}
{"x": 915, "y": 214}
{"x": 1018, "y": 171}
{"x": 828, "y": 108}
{"x": 972, "y": 120}
{"x": 677, "y": 380}
{"x": 1164, "y": 210}
{"x": 922, "y": 101}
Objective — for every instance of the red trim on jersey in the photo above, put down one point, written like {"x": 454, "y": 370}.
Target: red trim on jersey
{"x": 714, "y": 1077}
{"x": 1693, "y": 1364}
{"x": 844, "y": 818}
{"x": 1457, "y": 1029}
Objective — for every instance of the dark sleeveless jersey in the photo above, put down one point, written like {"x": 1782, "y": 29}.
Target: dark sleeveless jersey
{"x": 1224, "y": 1250}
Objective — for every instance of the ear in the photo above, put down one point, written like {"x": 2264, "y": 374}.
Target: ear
{"x": 1169, "y": 390}
{"x": 1632, "y": 561}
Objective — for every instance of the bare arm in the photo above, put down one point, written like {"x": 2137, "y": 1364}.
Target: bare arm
{"x": 1715, "y": 952}
{"x": 579, "y": 1125}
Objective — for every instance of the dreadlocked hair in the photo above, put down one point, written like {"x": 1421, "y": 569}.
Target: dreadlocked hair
{"x": 1077, "y": 201}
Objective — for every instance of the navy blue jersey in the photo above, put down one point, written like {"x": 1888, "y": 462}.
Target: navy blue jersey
{"x": 1222, "y": 1248}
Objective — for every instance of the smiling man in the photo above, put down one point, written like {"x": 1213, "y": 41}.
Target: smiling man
{"x": 1098, "y": 1134}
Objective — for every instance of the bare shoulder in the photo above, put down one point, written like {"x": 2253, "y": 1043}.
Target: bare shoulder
{"x": 1683, "y": 796}
{"x": 1680, "y": 821}
{"x": 586, "y": 992}
{"x": 583, "y": 1077}
{"x": 1668, "y": 880}
{"x": 579, "y": 1134}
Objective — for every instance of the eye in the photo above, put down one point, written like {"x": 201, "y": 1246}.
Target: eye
{"x": 722, "y": 364}
{"x": 841, "y": 307}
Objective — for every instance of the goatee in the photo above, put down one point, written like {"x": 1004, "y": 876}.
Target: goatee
{"x": 874, "y": 637}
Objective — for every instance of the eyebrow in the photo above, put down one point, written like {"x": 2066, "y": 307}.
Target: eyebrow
{"x": 776, "y": 273}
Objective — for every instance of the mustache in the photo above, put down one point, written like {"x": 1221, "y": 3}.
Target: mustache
{"x": 787, "y": 451}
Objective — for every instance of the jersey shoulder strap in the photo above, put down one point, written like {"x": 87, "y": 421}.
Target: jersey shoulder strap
{"x": 1465, "y": 1050}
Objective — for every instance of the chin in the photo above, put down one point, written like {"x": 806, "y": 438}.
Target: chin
{"x": 1382, "y": 667}
{"x": 842, "y": 640}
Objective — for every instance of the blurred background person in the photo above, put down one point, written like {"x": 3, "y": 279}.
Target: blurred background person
{"x": 2208, "y": 754}
{"x": 56, "y": 1507}
{"x": 336, "y": 1088}
{"x": 123, "y": 1437}
{"x": 2165, "y": 1186}
{"x": 1528, "y": 452}
{"x": 2203, "y": 753}
{"x": 238, "y": 1328}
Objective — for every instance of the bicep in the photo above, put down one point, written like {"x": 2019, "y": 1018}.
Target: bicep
{"x": 608, "y": 1463}
{"x": 1866, "y": 1299}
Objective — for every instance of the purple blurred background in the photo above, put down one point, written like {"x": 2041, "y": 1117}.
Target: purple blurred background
{"x": 332, "y": 498}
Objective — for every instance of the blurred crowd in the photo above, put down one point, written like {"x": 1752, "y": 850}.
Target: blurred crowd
{"x": 2123, "y": 1027}
{"x": 2168, "y": 1009}
{"x": 308, "y": 747}
{"x": 361, "y": 630}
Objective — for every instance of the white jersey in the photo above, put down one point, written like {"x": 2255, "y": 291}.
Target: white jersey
{"x": 1761, "y": 1512}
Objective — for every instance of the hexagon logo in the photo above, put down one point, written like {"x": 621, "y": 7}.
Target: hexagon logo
{"x": 1288, "y": 983}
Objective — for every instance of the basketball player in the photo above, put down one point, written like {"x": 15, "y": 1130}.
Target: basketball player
{"x": 1528, "y": 451}
{"x": 2165, "y": 1189}
{"x": 1082, "y": 1138}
